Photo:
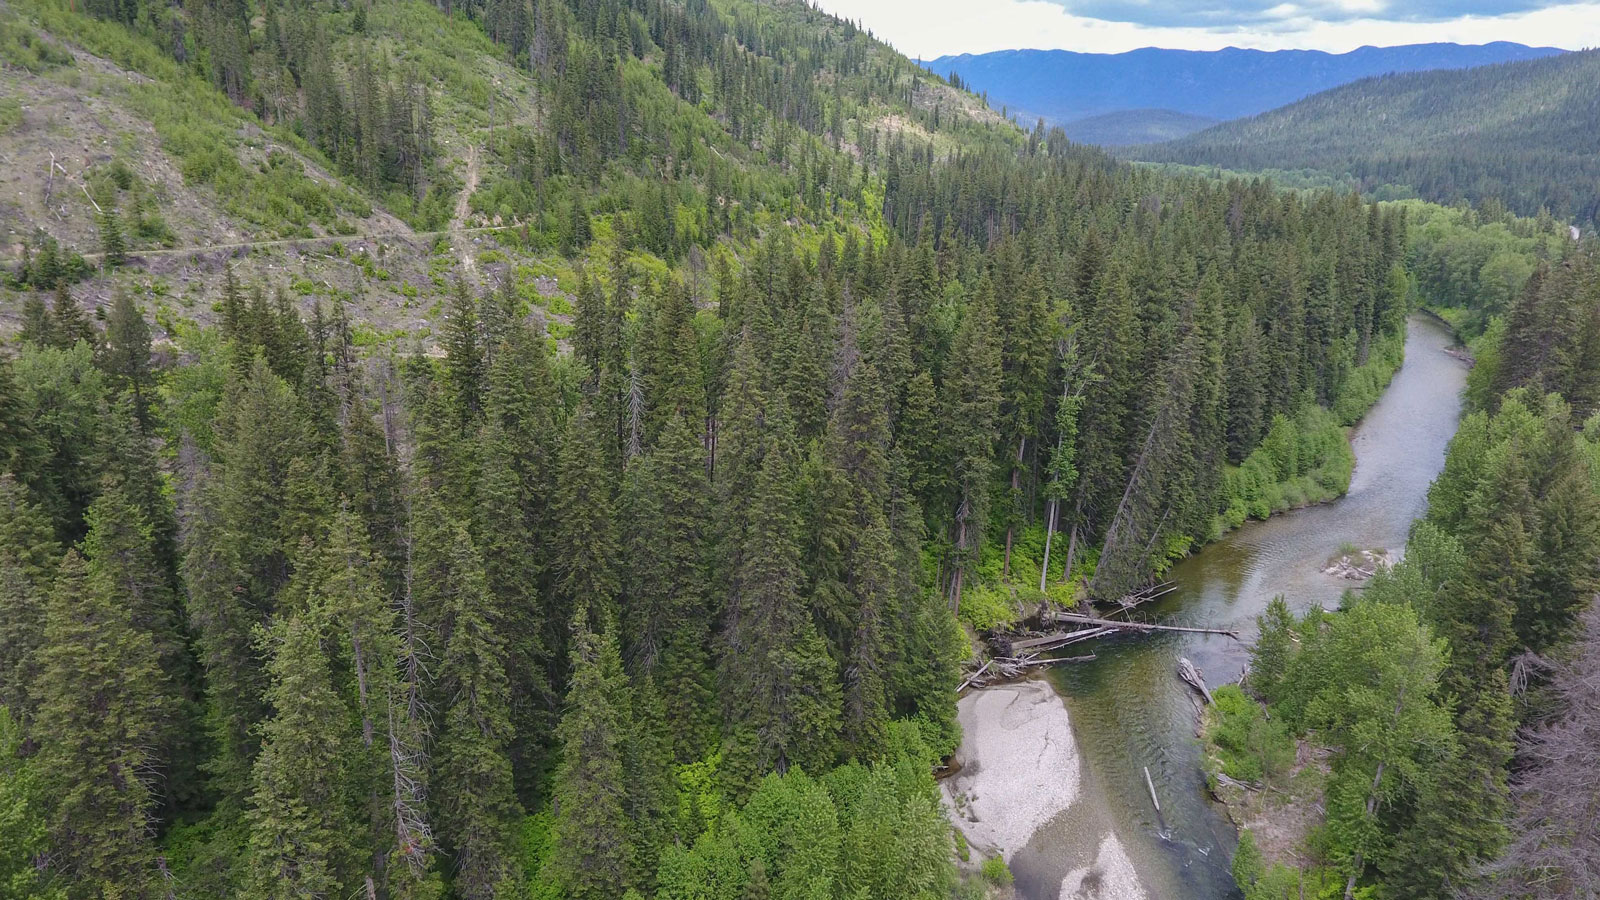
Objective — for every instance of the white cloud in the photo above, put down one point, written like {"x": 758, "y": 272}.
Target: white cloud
{"x": 930, "y": 28}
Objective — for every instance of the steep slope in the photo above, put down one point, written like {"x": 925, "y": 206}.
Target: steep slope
{"x": 1062, "y": 86}
{"x": 1526, "y": 133}
{"x": 377, "y": 153}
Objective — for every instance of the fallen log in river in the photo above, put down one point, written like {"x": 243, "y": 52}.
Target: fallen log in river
{"x": 1015, "y": 658}
{"x": 1064, "y": 618}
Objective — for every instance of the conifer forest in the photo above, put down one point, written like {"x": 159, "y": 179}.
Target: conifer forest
{"x": 534, "y": 449}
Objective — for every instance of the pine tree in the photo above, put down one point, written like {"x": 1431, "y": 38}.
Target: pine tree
{"x": 591, "y": 826}
{"x": 855, "y": 587}
{"x": 513, "y": 525}
{"x": 587, "y": 581}
{"x": 667, "y": 602}
{"x": 674, "y": 386}
{"x": 473, "y": 780}
{"x": 125, "y": 558}
{"x": 28, "y": 558}
{"x": 113, "y": 244}
{"x": 969, "y": 405}
{"x": 302, "y": 811}
{"x": 781, "y": 697}
{"x": 236, "y": 558}
{"x": 652, "y": 802}
{"x": 36, "y": 323}
{"x": 126, "y": 356}
{"x": 464, "y": 365}
{"x": 68, "y": 323}
{"x": 24, "y": 824}
{"x": 1025, "y": 339}
{"x": 102, "y": 710}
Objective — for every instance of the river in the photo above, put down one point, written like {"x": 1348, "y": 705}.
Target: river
{"x": 1128, "y": 709}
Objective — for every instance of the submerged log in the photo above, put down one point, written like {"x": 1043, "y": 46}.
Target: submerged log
{"x": 1190, "y": 674}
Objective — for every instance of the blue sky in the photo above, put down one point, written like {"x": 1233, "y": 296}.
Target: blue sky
{"x": 930, "y": 28}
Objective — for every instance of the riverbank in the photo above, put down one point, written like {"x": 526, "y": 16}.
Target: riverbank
{"x": 1018, "y": 770}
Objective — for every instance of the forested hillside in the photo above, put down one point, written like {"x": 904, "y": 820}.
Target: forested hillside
{"x": 646, "y": 563}
{"x": 1525, "y": 135}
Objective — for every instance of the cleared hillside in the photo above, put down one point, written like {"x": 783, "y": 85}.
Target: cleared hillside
{"x": 375, "y": 155}
{"x": 1525, "y": 133}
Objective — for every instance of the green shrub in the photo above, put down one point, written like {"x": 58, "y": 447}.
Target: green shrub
{"x": 1250, "y": 746}
{"x": 995, "y": 871}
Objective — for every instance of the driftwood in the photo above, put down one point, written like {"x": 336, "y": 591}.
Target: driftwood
{"x": 1147, "y": 593}
{"x": 1190, "y": 674}
{"x": 1006, "y": 668}
{"x": 1057, "y": 639}
{"x": 1152, "y": 786}
{"x": 1079, "y": 619}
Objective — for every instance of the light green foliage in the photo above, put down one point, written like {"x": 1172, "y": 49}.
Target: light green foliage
{"x": 1247, "y": 866}
{"x": 996, "y": 872}
{"x": 1472, "y": 262}
{"x": 24, "y": 833}
{"x": 1301, "y": 460}
{"x": 1365, "y": 682}
{"x": 1251, "y": 747}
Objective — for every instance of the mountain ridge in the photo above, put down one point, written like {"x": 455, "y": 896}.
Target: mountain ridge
{"x": 1525, "y": 133}
{"x": 1220, "y": 84}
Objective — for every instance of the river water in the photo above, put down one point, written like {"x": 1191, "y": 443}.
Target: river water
{"x": 1130, "y": 711}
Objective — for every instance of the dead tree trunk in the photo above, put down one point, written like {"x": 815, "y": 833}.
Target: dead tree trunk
{"x": 1016, "y": 488}
{"x": 1049, "y": 533}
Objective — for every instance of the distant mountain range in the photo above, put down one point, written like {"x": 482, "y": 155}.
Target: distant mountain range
{"x": 1157, "y": 94}
{"x": 1525, "y": 133}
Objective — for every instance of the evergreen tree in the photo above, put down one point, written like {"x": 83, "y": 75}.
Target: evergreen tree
{"x": 667, "y": 603}
{"x": 303, "y": 829}
{"x": 24, "y": 827}
{"x": 113, "y": 244}
{"x": 591, "y": 826}
{"x": 464, "y": 364}
{"x": 781, "y": 698}
{"x": 126, "y": 356}
{"x": 68, "y": 322}
{"x": 28, "y": 558}
{"x": 587, "y": 581}
{"x": 102, "y": 710}
{"x": 969, "y": 406}
{"x": 473, "y": 779}
{"x": 36, "y": 323}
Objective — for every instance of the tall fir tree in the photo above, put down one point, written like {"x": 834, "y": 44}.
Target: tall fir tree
{"x": 781, "y": 697}
{"x": 103, "y": 709}
{"x": 667, "y": 602}
{"x": 472, "y": 780}
{"x": 591, "y": 824}
{"x": 304, "y": 828}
